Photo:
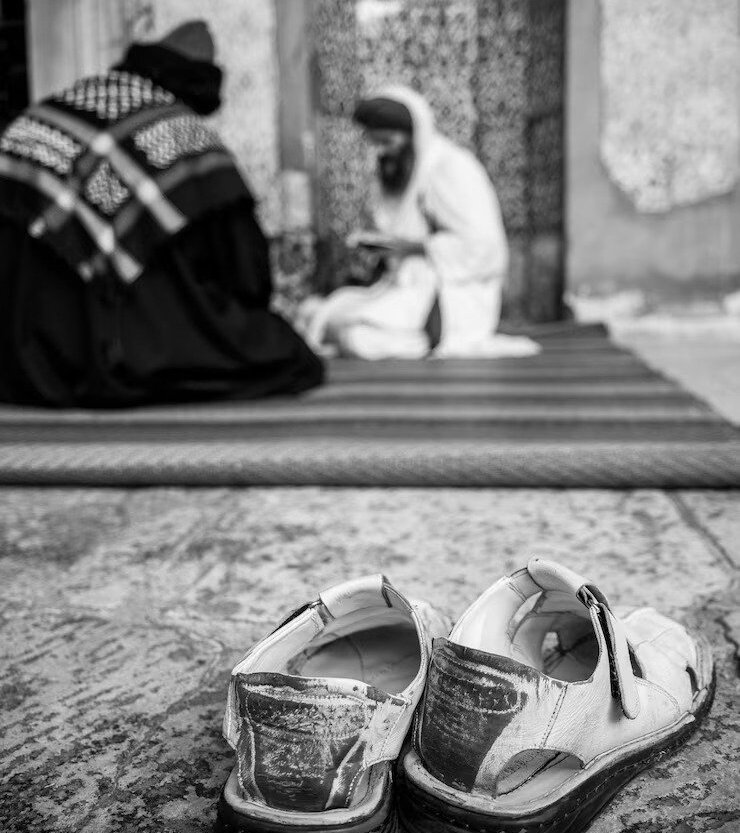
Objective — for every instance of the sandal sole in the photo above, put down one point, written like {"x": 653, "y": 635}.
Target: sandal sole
{"x": 423, "y": 812}
{"x": 229, "y": 820}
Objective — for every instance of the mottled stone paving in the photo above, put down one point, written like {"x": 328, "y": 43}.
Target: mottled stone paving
{"x": 123, "y": 611}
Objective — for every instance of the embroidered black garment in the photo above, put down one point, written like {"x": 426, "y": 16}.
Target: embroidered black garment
{"x": 134, "y": 269}
{"x": 113, "y": 166}
{"x": 195, "y": 83}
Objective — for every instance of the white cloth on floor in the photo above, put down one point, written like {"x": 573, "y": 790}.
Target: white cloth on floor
{"x": 451, "y": 207}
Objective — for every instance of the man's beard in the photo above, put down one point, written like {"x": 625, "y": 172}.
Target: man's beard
{"x": 395, "y": 169}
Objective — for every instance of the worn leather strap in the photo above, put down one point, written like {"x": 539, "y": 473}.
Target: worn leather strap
{"x": 356, "y": 594}
{"x": 542, "y": 575}
{"x": 620, "y": 663}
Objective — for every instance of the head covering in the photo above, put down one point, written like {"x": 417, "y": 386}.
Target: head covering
{"x": 416, "y": 107}
{"x": 192, "y": 40}
{"x": 383, "y": 113}
{"x": 181, "y": 62}
{"x": 392, "y": 211}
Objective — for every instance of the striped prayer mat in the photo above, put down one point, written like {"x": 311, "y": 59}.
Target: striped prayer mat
{"x": 582, "y": 413}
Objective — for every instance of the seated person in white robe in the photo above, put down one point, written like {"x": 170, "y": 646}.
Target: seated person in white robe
{"x": 438, "y": 226}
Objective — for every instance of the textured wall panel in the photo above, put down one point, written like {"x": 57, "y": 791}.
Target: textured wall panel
{"x": 500, "y": 88}
{"x": 429, "y": 45}
{"x": 671, "y": 99}
{"x": 545, "y": 92}
{"x": 245, "y": 40}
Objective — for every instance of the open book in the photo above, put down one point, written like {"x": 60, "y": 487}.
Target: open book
{"x": 377, "y": 240}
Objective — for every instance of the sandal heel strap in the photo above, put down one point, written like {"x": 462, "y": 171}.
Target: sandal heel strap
{"x": 479, "y": 711}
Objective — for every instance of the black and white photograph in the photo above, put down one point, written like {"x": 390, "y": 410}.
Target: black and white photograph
{"x": 369, "y": 416}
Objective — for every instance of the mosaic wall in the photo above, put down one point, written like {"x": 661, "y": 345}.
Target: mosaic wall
{"x": 501, "y": 97}
{"x": 545, "y": 171}
{"x": 671, "y": 99}
{"x": 492, "y": 71}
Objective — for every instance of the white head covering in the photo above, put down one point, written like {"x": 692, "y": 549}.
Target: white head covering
{"x": 395, "y": 212}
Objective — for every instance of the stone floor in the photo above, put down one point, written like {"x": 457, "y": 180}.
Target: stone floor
{"x": 702, "y": 355}
{"x": 122, "y": 612}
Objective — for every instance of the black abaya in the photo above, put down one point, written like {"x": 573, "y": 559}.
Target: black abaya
{"x": 194, "y": 325}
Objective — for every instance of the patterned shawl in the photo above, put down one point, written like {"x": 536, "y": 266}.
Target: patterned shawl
{"x": 109, "y": 169}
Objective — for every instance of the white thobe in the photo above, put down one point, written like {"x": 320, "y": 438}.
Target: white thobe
{"x": 451, "y": 208}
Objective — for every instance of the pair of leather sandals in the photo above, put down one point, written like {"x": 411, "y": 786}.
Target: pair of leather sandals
{"x": 364, "y": 713}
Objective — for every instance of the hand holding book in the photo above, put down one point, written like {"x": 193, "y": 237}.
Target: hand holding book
{"x": 384, "y": 243}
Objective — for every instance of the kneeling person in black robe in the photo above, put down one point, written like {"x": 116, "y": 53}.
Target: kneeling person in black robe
{"x": 132, "y": 267}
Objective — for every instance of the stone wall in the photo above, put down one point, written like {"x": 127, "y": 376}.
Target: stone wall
{"x": 654, "y": 147}
{"x": 670, "y": 86}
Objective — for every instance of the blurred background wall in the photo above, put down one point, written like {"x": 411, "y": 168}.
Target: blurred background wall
{"x": 611, "y": 128}
{"x": 69, "y": 38}
{"x": 653, "y": 147}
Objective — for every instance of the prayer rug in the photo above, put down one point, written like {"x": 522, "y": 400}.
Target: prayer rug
{"x": 582, "y": 413}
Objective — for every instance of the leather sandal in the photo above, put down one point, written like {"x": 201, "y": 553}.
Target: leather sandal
{"x": 317, "y": 712}
{"x": 543, "y": 703}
